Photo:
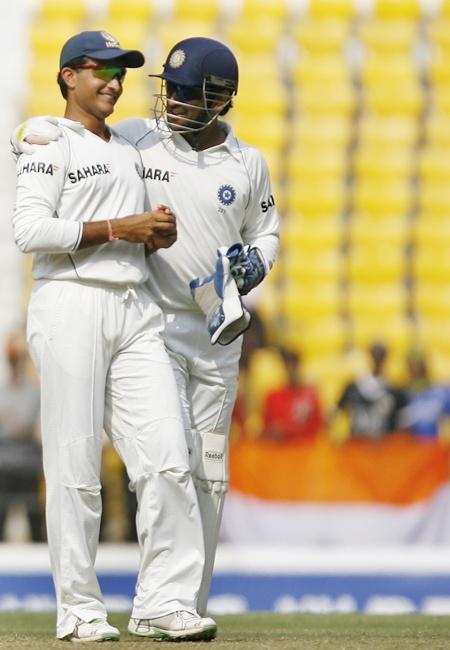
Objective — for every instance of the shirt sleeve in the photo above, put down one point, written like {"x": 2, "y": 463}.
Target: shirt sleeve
{"x": 261, "y": 224}
{"x": 40, "y": 183}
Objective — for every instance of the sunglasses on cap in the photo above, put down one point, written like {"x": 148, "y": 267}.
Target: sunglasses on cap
{"x": 184, "y": 93}
{"x": 104, "y": 72}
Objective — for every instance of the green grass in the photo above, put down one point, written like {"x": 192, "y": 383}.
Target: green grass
{"x": 261, "y": 632}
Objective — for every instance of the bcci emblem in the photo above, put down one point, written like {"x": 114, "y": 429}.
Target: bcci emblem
{"x": 110, "y": 41}
{"x": 177, "y": 59}
{"x": 226, "y": 194}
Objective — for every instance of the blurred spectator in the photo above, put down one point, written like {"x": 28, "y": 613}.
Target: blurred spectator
{"x": 372, "y": 403}
{"x": 292, "y": 413}
{"x": 20, "y": 451}
{"x": 428, "y": 407}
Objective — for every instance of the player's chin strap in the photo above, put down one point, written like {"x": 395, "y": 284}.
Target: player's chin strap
{"x": 218, "y": 297}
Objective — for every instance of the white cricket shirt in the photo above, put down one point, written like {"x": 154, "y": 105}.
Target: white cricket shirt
{"x": 220, "y": 196}
{"x": 79, "y": 178}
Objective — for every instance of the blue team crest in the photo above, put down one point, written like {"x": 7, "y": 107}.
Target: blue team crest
{"x": 226, "y": 194}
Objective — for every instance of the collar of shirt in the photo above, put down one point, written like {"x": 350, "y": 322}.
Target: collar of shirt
{"x": 230, "y": 143}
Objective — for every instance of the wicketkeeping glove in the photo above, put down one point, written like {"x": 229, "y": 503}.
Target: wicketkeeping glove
{"x": 45, "y": 127}
{"x": 218, "y": 297}
{"x": 247, "y": 267}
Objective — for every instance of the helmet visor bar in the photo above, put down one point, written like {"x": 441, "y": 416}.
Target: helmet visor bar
{"x": 174, "y": 100}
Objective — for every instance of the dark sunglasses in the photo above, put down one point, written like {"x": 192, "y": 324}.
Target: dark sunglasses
{"x": 104, "y": 72}
{"x": 184, "y": 93}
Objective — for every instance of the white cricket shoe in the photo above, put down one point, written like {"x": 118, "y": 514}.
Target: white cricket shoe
{"x": 97, "y": 630}
{"x": 178, "y": 626}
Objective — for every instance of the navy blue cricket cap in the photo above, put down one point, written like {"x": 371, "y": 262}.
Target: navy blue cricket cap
{"x": 100, "y": 46}
{"x": 198, "y": 59}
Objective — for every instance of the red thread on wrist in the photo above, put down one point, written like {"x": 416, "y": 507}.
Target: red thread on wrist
{"x": 110, "y": 232}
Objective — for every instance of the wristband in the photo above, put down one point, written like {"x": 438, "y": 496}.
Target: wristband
{"x": 110, "y": 232}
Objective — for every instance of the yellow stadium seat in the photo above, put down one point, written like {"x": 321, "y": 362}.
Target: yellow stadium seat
{"x": 379, "y": 162}
{"x": 437, "y": 129}
{"x": 391, "y": 98}
{"x": 440, "y": 99}
{"x": 44, "y": 101}
{"x": 131, "y": 32}
{"x": 43, "y": 71}
{"x": 207, "y": 10}
{"x": 330, "y": 372}
{"x": 381, "y": 130}
{"x": 257, "y": 69}
{"x": 300, "y": 233}
{"x": 384, "y": 68}
{"x": 431, "y": 230}
{"x": 269, "y": 301}
{"x": 377, "y": 263}
{"x": 310, "y": 299}
{"x": 398, "y": 9}
{"x": 382, "y": 198}
{"x": 439, "y": 32}
{"x": 431, "y": 264}
{"x": 332, "y": 9}
{"x": 432, "y": 300}
{"x": 254, "y": 36}
{"x": 325, "y": 69}
{"x": 269, "y": 99}
{"x": 266, "y": 371}
{"x": 434, "y": 164}
{"x": 321, "y": 36}
{"x": 272, "y": 133}
{"x": 433, "y": 334}
{"x": 316, "y": 337}
{"x": 434, "y": 198}
{"x": 444, "y": 7}
{"x": 305, "y": 164}
{"x": 313, "y": 266}
{"x": 322, "y": 100}
{"x": 397, "y": 36}
{"x": 311, "y": 131}
{"x": 374, "y": 300}
{"x": 143, "y": 10}
{"x": 276, "y": 10}
{"x": 74, "y": 10}
{"x": 397, "y": 331}
{"x": 438, "y": 69}
{"x": 366, "y": 230}
{"x": 316, "y": 198}
{"x": 439, "y": 367}
{"x": 172, "y": 31}
{"x": 48, "y": 36}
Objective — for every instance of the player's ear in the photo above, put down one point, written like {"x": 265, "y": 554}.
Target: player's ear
{"x": 69, "y": 76}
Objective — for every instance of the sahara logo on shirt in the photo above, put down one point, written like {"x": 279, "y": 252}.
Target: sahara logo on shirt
{"x": 157, "y": 174}
{"x": 265, "y": 205}
{"x": 226, "y": 194}
{"x": 88, "y": 171}
{"x": 37, "y": 168}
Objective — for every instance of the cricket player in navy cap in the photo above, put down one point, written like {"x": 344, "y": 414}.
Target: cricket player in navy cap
{"x": 94, "y": 331}
{"x": 219, "y": 187}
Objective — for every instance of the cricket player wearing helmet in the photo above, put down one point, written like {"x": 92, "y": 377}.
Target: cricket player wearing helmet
{"x": 94, "y": 332}
{"x": 220, "y": 189}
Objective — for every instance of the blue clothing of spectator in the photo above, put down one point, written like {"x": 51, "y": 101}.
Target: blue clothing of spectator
{"x": 426, "y": 409}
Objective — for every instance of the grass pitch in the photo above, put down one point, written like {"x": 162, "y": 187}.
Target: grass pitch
{"x": 260, "y": 632}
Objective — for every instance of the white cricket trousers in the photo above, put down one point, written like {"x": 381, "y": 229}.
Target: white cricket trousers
{"x": 103, "y": 366}
{"x": 207, "y": 378}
